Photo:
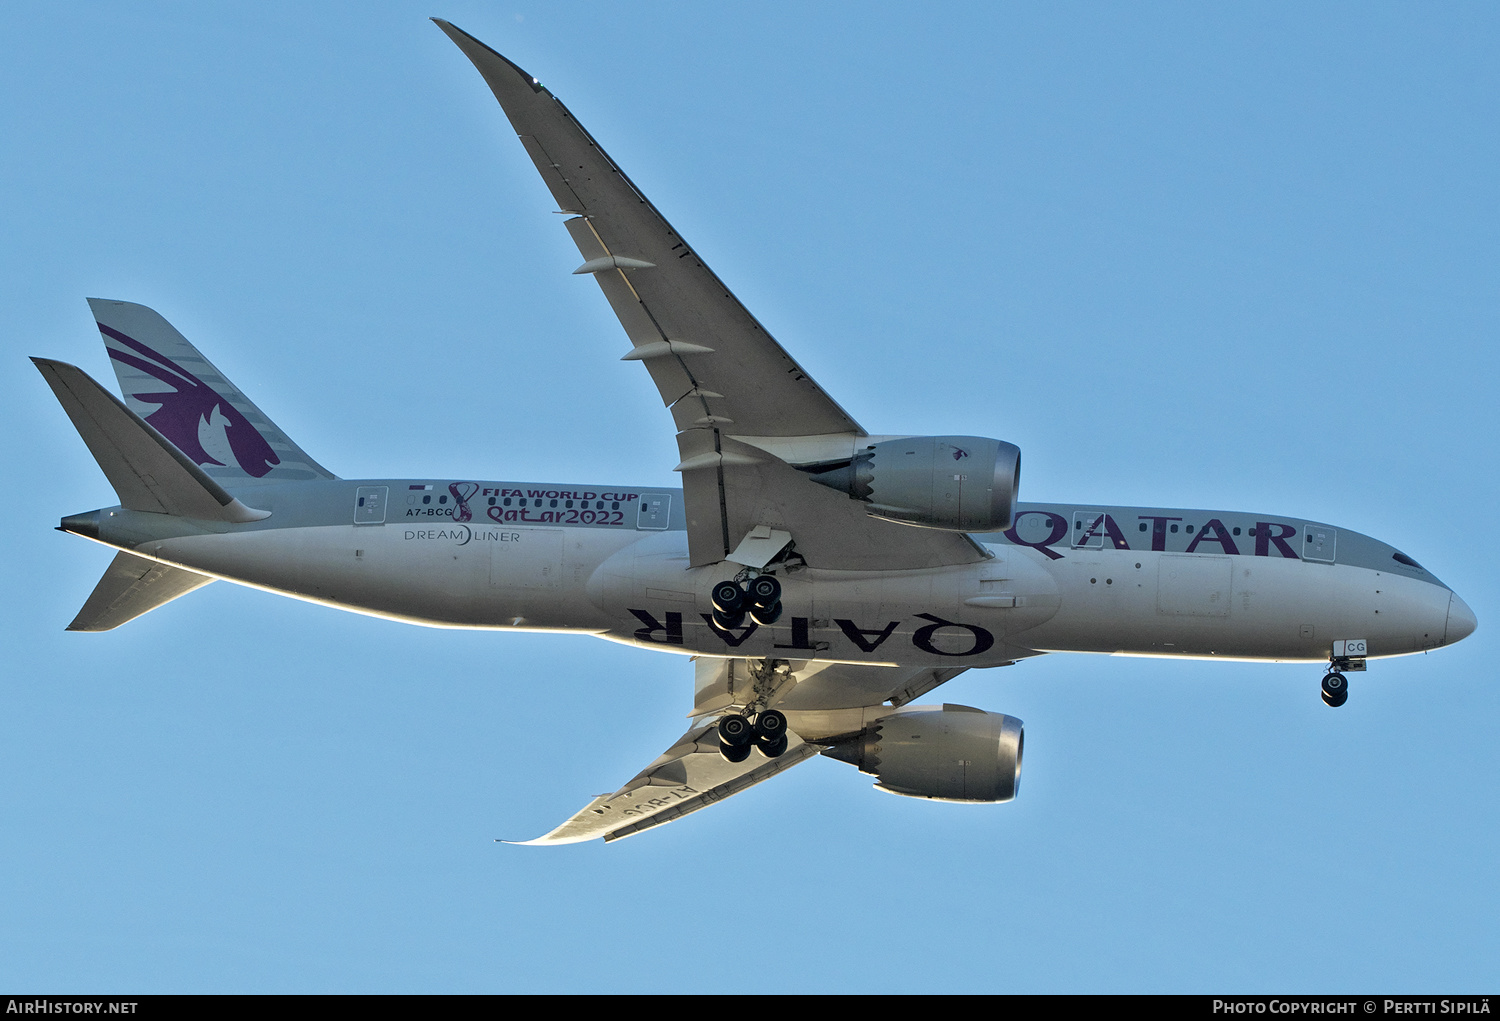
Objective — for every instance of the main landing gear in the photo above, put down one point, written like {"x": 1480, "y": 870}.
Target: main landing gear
{"x": 738, "y": 734}
{"x": 759, "y": 597}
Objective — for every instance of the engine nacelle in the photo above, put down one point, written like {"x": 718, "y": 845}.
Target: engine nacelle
{"x": 952, "y": 753}
{"x": 958, "y": 483}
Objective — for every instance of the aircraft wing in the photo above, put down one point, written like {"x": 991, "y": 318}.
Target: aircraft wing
{"x": 824, "y": 703}
{"x": 707, "y": 340}
{"x": 686, "y": 777}
{"x": 732, "y": 389}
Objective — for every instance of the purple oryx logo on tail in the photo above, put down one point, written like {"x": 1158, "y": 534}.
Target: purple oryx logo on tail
{"x": 189, "y": 406}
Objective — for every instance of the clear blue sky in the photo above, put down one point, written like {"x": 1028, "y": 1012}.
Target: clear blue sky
{"x": 1238, "y": 256}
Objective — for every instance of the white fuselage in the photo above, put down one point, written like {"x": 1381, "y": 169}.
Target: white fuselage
{"x": 627, "y": 578}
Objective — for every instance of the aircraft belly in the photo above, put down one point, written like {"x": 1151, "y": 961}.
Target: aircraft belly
{"x": 962, "y": 615}
{"x": 451, "y": 575}
{"x": 638, "y": 588}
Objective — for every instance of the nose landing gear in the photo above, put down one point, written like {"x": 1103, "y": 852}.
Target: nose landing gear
{"x": 1335, "y": 689}
{"x": 1348, "y": 656}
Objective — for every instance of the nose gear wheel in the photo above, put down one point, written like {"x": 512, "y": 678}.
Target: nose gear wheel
{"x": 1335, "y": 689}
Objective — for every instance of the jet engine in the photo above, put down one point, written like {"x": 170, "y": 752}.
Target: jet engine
{"x": 959, "y": 483}
{"x": 952, "y": 753}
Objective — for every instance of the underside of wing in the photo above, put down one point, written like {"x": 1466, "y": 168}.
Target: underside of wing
{"x": 821, "y": 700}
{"x": 727, "y": 495}
{"x": 823, "y": 703}
{"x": 735, "y": 394}
{"x": 690, "y": 775}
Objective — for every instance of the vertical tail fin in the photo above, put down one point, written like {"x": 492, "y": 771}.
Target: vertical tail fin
{"x": 171, "y": 385}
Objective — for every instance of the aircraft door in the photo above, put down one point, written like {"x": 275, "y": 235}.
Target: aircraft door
{"x": 655, "y": 512}
{"x": 369, "y": 505}
{"x": 1319, "y": 543}
{"x": 1088, "y": 530}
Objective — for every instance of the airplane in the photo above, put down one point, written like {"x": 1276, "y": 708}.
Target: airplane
{"x": 820, "y": 579}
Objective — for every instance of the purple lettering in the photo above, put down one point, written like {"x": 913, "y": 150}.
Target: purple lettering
{"x": 860, "y": 636}
{"x": 1158, "y": 531}
{"x": 1264, "y": 538}
{"x": 800, "y": 637}
{"x": 671, "y": 631}
{"x": 1112, "y": 530}
{"x": 922, "y": 639}
{"x": 1215, "y": 531}
{"x": 1059, "y": 532}
{"x": 729, "y": 636}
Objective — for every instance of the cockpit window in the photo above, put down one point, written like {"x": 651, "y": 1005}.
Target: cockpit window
{"x": 1402, "y": 558}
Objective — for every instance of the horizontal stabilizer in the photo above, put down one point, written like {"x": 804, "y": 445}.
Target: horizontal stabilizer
{"x": 132, "y": 586}
{"x": 692, "y": 774}
{"x": 147, "y": 472}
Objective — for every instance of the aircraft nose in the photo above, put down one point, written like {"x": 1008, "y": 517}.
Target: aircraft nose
{"x": 1461, "y": 622}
